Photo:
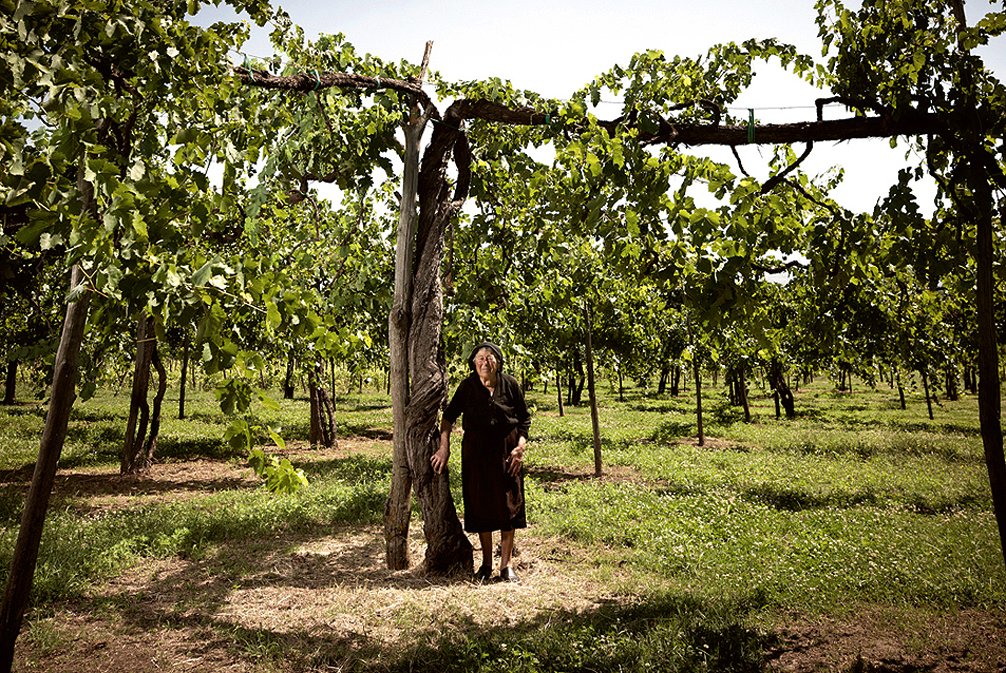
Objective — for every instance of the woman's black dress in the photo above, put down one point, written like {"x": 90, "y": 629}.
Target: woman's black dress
{"x": 493, "y": 500}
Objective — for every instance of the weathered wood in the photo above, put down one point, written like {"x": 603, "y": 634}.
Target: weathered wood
{"x": 667, "y": 131}
{"x": 447, "y": 547}
{"x": 398, "y": 507}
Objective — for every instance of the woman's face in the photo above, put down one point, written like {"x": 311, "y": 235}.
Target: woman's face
{"x": 485, "y": 362}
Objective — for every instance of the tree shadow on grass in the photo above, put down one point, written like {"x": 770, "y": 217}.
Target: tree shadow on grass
{"x": 318, "y": 604}
{"x": 213, "y": 447}
{"x": 22, "y": 408}
{"x": 351, "y": 469}
{"x": 670, "y": 431}
{"x": 364, "y": 430}
{"x": 90, "y": 485}
{"x": 796, "y": 500}
{"x": 553, "y": 477}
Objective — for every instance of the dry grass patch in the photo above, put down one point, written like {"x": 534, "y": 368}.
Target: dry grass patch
{"x": 299, "y": 604}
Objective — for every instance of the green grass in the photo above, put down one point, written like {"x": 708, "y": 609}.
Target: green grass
{"x": 854, "y": 502}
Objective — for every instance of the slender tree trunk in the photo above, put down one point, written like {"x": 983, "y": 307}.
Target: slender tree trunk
{"x": 314, "y": 428}
{"x": 10, "y": 383}
{"x": 576, "y": 389}
{"x": 697, "y": 370}
{"x": 150, "y": 444}
{"x": 953, "y": 393}
{"x": 558, "y": 391}
{"x": 131, "y": 459}
{"x": 570, "y": 385}
{"x": 288, "y": 387}
{"x": 621, "y": 386}
{"x": 331, "y": 377}
{"x": 36, "y": 504}
{"x": 594, "y": 422}
{"x": 778, "y": 407}
{"x": 901, "y": 392}
{"x": 742, "y": 390}
{"x": 181, "y": 387}
{"x": 676, "y": 381}
{"x": 925, "y": 388}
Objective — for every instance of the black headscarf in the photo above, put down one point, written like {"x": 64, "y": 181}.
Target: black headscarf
{"x": 491, "y": 346}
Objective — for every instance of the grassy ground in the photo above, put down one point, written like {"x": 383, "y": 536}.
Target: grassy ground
{"x": 856, "y": 537}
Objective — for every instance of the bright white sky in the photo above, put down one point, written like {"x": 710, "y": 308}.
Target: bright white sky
{"x": 554, "y": 47}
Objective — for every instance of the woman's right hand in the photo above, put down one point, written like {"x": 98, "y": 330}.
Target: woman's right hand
{"x": 439, "y": 459}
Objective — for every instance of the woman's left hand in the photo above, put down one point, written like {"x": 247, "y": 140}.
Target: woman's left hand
{"x": 515, "y": 461}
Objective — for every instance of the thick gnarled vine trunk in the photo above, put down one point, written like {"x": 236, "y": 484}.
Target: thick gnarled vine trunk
{"x": 447, "y": 547}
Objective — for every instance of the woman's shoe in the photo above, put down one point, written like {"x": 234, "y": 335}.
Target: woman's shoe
{"x": 483, "y": 575}
{"x": 508, "y": 575}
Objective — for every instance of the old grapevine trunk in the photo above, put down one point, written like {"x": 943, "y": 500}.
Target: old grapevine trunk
{"x": 448, "y": 548}
{"x": 397, "y": 509}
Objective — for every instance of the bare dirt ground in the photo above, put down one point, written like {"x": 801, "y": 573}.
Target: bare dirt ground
{"x": 329, "y": 598}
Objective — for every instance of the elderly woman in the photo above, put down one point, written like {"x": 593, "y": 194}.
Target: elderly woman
{"x": 495, "y": 422}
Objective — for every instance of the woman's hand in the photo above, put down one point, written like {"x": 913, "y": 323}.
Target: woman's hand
{"x": 439, "y": 459}
{"x": 516, "y": 460}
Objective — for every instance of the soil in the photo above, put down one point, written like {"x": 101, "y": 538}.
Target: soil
{"x": 329, "y": 598}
